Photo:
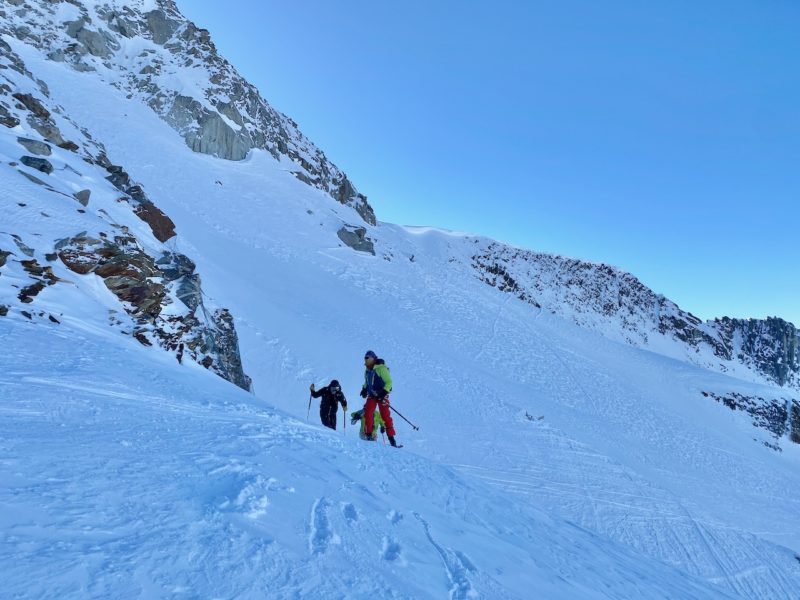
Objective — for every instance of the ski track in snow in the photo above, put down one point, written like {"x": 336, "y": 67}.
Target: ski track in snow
{"x": 456, "y": 565}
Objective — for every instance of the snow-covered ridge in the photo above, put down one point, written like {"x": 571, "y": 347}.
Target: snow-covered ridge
{"x": 621, "y": 307}
{"x": 151, "y": 51}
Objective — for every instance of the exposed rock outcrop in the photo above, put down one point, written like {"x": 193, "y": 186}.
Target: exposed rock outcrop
{"x": 356, "y": 238}
{"x": 794, "y": 421}
{"x": 40, "y": 164}
{"x": 160, "y": 224}
{"x": 147, "y": 286}
{"x": 771, "y": 346}
{"x": 35, "y": 146}
{"x": 83, "y": 196}
{"x": 778, "y": 417}
{"x": 225, "y": 345}
{"x": 38, "y": 116}
{"x": 96, "y": 43}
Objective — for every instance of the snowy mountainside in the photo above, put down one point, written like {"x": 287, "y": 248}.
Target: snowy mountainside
{"x": 127, "y": 477}
{"x": 151, "y": 51}
{"x": 523, "y": 408}
{"x": 69, "y": 211}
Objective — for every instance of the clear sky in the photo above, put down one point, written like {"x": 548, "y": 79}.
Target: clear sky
{"x": 660, "y": 137}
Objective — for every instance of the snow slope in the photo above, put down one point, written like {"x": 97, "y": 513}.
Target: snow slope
{"x": 127, "y": 474}
{"x": 123, "y": 476}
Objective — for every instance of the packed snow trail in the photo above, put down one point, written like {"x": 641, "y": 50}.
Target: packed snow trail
{"x": 127, "y": 476}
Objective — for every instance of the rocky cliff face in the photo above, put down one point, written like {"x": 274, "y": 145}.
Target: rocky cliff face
{"x": 770, "y": 346}
{"x": 620, "y": 306}
{"x": 149, "y": 49}
{"x": 70, "y": 212}
{"x": 779, "y": 416}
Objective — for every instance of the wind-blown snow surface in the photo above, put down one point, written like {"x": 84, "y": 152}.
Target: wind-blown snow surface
{"x": 126, "y": 477}
{"x": 171, "y": 470}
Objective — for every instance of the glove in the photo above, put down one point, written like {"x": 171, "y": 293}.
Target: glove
{"x": 312, "y": 388}
{"x": 383, "y": 429}
{"x": 363, "y": 393}
{"x": 344, "y": 407}
{"x": 381, "y": 395}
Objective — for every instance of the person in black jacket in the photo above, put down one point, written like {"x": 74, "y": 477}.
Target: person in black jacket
{"x": 332, "y": 396}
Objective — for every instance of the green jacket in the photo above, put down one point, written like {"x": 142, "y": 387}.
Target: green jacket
{"x": 377, "y": 378}
{"x": 377, "y": 420}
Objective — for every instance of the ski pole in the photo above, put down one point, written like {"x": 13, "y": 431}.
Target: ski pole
{"x": 344, "y": 422}
{"x": 308, "y": 414}
{"x": 404, "y": 419}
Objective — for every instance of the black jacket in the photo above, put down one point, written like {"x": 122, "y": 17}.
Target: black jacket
{"x": 329, "y": 397}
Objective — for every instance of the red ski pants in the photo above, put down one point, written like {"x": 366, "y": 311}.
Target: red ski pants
{"x": 386, "y": 415}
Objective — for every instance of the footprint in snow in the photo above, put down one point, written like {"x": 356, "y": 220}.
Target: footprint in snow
{"x": 250, "y": 500}
{"x": 392, "y": 551}
{"x": 394, "y": 517}
{"x": 349, "y": 512}
{"x": 321, "y": 534}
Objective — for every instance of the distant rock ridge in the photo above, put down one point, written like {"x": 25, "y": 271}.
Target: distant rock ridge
{"x": 178, "y": 72}
{"x": 616, "y": 303}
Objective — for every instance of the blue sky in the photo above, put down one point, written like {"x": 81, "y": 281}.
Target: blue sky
{"x": 663, "y": 138}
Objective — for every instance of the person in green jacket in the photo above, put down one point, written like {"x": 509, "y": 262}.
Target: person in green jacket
{"x": 358, "y": 417}
{"x": 377, "y": 385}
